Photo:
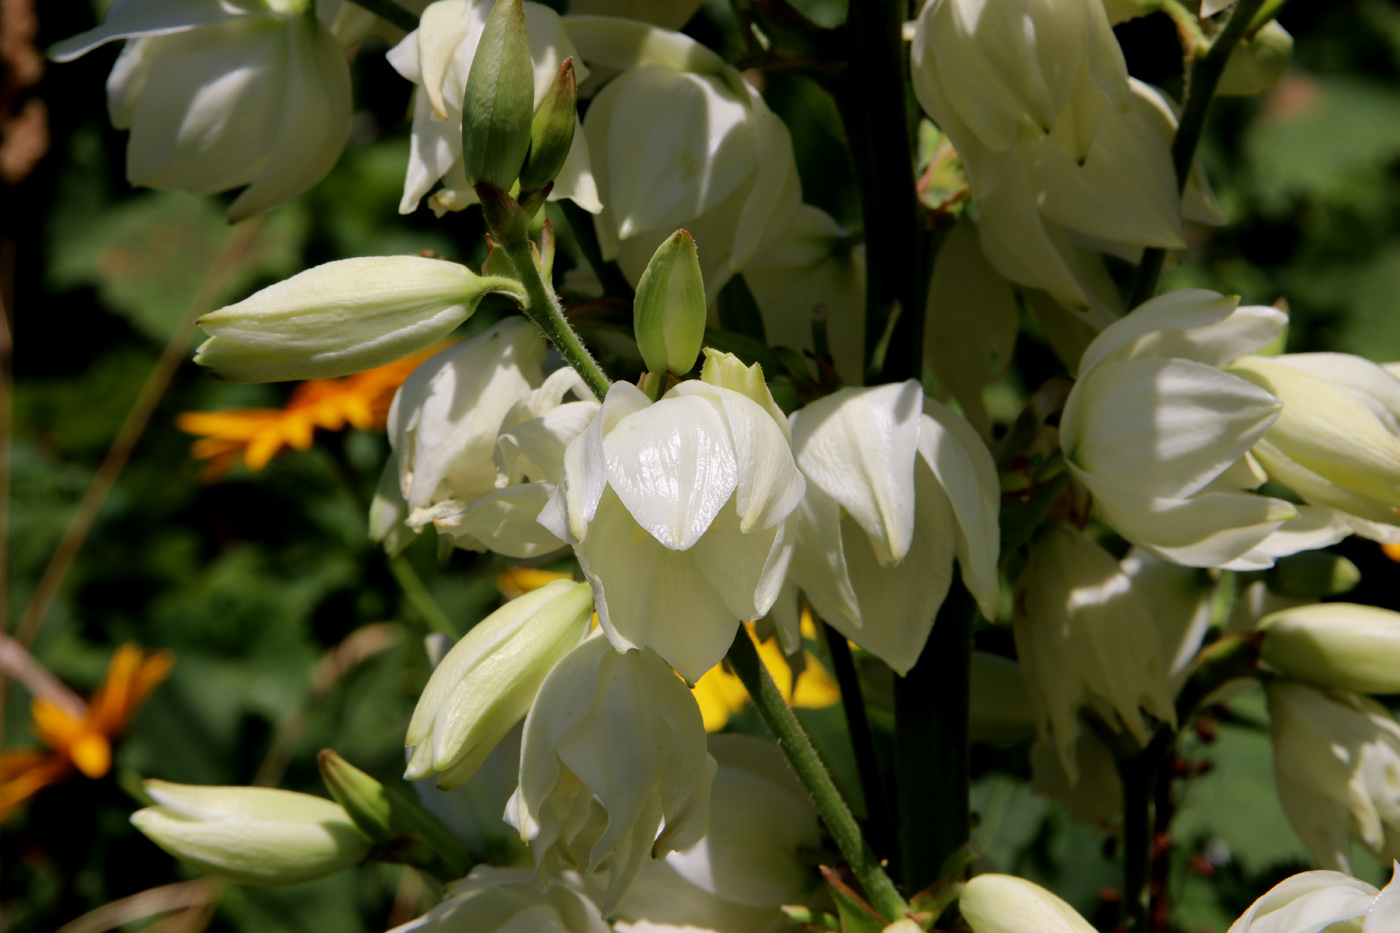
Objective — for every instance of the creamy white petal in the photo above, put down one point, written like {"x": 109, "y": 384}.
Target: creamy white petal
{"x": 673, "y": 467}
{"x": 1191, "y": 323}
{"x": 858, "y": 446}
{"x": 1206, "y": 530}
{"x": 964, "y": 468}
{"x": 506, "y": 522}
{"x": 652, "y": 596}
{"x": 1162, "y": 427}
{"x": 898, "y": 602}
{"x": 769, "y": 485}
{"x": 622, "y": 43}
{"x": 128, "y": 19}
{"x": 313, "y": 125}
{"x": 1307, "y": 903}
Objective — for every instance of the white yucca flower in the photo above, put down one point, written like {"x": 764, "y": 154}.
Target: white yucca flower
{"x": 677, "y": 512}
{"x": 1317, "y": 901}
{"x": 510, "y": 900}
{"x": 1159, "y": 431}
{"x": 1063, "y": 150}
{"x": 680, "y": 139}
{"x": 898, "y": 487}
{"x": 1337, "y": 766}
{"x": 613, "y": 767}
{"x": 219, "y": 95}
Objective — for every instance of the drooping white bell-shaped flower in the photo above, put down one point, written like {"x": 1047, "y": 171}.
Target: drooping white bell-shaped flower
{"x": 252, "y": 835}
{"x": 221, "y": 95}
{"x": 529, "y": 461}
{"x": 510, "y": 900}
{"x": 1316, "y": 901}
{"x": 1159, "y": 433}
{"x": 443, "y": 427}
{"x": 613, "y": 767}
{"x": 1337, "y": 441}
{"x": 1337, "y": 766}
{"x": 898, "y": 487}
{"x": 680, "y": 140}
{"x": 1085, "y": 638}
{"x": 676, "y": 510}
{"x": 1062, "y": 148}
{"x": 437, "y": 57}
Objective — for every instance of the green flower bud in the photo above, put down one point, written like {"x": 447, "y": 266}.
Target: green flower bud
{"x": 363, "y": 798}
{"x": 669, "y": 310}
{"x": 1312, "y": 575}
{"x": 552, "y": 132}
{"x": 1006, "y": 904}
{"x": 500, "y": 100}
{"x": 486, "y": 683}
{"x": 1336, "y": 645}
{"x": 342, "y": 317}
{"x": 1258, "y": 63}
{"x": 252, "y": 835}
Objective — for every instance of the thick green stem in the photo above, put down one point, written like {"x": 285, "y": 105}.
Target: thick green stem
{"x": 543, "y": 308}
{"x": 802, "y": 756}
{"x": 391, "y": 12}
{"x": 1201, "y": 82}
{"x": 879, "y": 821}
{"x": 932, "y": 744}
{"x": 871, "y": 98}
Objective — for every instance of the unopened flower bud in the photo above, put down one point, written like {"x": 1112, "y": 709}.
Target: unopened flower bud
{"x": 340, "y": 318}
{"x": 1258, "y": 63}
{"x": 500, "y": 100}
{"x": 1006, "y": 904}
{"x": 1338, "y": 645}
{"x": 1337, "y": 440}
{"x": 363, "y": 798}
{"x": 1312, "y": 575}
{"x": 669, "y": 310}
{"x": 252, "y": 835}
{"x": 552, "y": 132}
{"x": 487, "y": 682}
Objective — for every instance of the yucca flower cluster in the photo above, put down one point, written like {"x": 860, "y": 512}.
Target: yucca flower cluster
{"x": 729, "y": 535}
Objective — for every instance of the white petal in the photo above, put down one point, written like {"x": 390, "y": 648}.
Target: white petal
{"x": 126, "y": 19}
{"x": 677, "y": 145}
{"x": 776, "y": 194}
{"x": 1164, "y": 428}
{"x": 1307, "y": 903}
{"x": 965, "y": 469}
{"x": 1384, "y": 915}
{"x": 621, "y": 43}
{"x": 672, "y": 465}
{"x": 505, "y": 522}
{"x": 207, "y": 130}
{"x": 651, "y": 596}
{"x": 1191, "y": 323}
{"x": 1206, "y": 530}
{"x": 769, "y": 484}
{"x": 819, "y": 559}
{"x": 535, "y": 450}
{"x": 898, "y": 603}
{"x": 858, "y": 446}
{"x": 585, "y": 461}
{"x": 313, "y": 125}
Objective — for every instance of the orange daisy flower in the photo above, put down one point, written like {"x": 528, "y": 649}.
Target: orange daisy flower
{"x": 81, "y": 743}
{"x": 359, "y": 401}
